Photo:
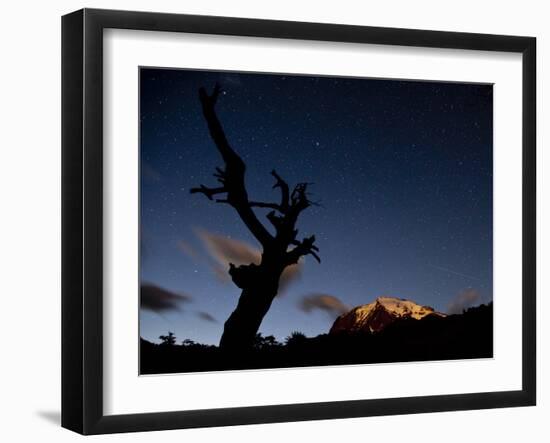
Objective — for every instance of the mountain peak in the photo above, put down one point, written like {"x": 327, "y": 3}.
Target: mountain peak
{"x": 375, "y": 316}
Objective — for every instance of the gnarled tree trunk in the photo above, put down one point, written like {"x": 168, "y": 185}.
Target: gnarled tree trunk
{"x": 257, "y": 295}
{"x": 259, "y": 283}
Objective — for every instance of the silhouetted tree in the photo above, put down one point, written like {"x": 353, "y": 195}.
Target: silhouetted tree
{"x": 168, "y": 340}
{"x": 188, "y": 342}
{"x": 295, "y": 338}
{"x": 261, "y": 342}
{"x": 259, "y": 283}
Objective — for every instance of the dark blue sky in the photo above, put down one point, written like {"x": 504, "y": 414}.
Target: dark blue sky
{"x": 402, "y": 171}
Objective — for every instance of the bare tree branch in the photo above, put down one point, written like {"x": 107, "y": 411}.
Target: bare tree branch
{"x": 216, "y": 130}
{"x": 304, "y": 247}
{"x": 209, "y": 192}
{"x": 299, "y": 197}
{"x": 276, "y": 220}
{"x": 280, "y": 183}
{"x": 265, "y": 205}
{"x": 232, "y": 177}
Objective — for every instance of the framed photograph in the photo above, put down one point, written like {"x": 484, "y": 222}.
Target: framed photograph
{"x": 269, "y": 221}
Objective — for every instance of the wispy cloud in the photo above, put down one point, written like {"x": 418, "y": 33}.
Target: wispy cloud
{"x": 324, "y": 302}
{"x": 290, "y": 274}
{"x": 157, "y": 299}
{"x": 189, "y": 250}
{"x": 206, "y": 317}
{"x": 223, "y": 250}
{"x": 463, "y": 300}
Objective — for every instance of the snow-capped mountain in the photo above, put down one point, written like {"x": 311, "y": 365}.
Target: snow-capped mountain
{"x": 375, "y": 316}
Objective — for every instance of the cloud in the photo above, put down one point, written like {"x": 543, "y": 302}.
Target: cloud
{"x": 290, "y": 274}
{"x": 324, "y": 302}
{"x": 224, "y": 250}
{"x": 463, "y": 300}
{"x": 157, "y": 299}
{"x": 189, "y": 250}
{"x": 206, "y": 317}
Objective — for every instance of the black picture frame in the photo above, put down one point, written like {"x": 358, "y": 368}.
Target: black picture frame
{"x": 82, "y": 216}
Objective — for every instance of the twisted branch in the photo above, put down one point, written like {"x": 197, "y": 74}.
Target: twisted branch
{"x": 283, "y": 216}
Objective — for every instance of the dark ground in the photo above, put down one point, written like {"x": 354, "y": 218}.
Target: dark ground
{"x": 463, "y": 336}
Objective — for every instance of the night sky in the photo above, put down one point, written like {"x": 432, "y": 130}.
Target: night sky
{"x": 402, "y": 171}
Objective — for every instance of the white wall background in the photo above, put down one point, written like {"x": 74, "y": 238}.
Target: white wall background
{"x": 30, "y": 218}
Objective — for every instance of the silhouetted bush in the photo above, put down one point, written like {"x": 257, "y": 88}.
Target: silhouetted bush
{"x": 296, "y": 338}
{"x": 261, "y": 342}
{"x": 168, "y": 340}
